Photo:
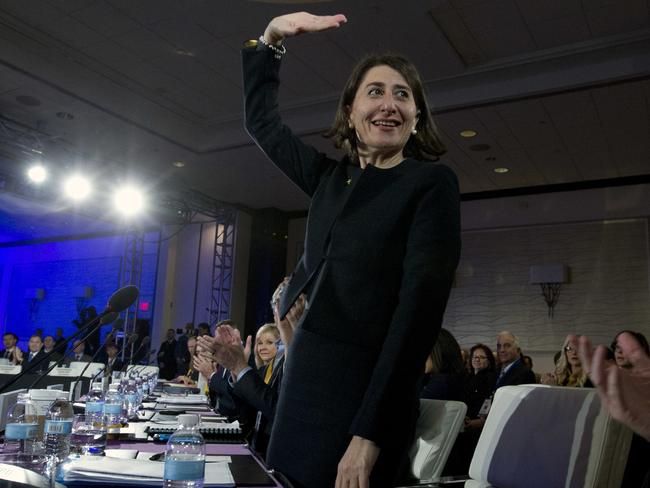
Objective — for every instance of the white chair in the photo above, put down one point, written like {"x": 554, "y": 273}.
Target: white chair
{"x": 543, "y": 436}
{"x": 435, "y": 433}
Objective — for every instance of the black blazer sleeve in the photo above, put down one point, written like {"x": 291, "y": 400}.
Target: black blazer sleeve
{"x": 262, "y": 397}
{"x": 432, "y": 254}
{"x": 300, "y": 162}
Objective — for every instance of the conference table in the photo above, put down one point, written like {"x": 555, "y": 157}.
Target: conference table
{"x": 247, "y": 469}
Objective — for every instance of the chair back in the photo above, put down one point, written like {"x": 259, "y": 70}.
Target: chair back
{"x": 542, "y": 436}
{"x": 435, "y": 433}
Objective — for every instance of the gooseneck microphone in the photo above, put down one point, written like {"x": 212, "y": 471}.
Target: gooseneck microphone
{"x": 118, "y": 301}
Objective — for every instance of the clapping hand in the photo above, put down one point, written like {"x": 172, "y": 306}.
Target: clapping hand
{"x": 299, "y": 22}
{"x": 624, "y": 392}
{"x": 227, "y": 349}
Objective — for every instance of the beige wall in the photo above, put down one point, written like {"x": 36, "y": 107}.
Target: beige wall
{"x": 601, "y": 234}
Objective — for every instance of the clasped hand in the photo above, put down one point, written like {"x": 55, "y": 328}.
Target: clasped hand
{"x": 225, "y": 348}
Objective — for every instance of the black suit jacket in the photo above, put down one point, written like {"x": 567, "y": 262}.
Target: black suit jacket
{"x": 518, "y": 374}
{"x": 380, "y": 253}
{"x": 221, "y": 393}
{"x": 116, "y": 366}
{"x": 35, "y": 365}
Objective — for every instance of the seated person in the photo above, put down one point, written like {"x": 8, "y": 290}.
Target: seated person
{"x": 78, "y": 354}
{"x": 568, "y": 369}
{"x": 113, "y": 363}
{"x": 480, "y": 384}
{"x": 634, "y": 360}
{"x": 444, "y": 370}
{"x": 190, "y": 375}
{"x": 49, "y": 347}
{"x": 512, "y": 371}
{"x": 34, "y": 360}
{"x": 255, "y": 392}
{"x": 623, "y": 360}
{"x": 11, "y": 352}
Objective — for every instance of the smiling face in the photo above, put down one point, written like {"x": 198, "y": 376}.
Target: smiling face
{"x": 507, "y": 351}
{"x": 266, "y": 347}
{"x": 35, "y": 344}
{"x": 383, "y": 112}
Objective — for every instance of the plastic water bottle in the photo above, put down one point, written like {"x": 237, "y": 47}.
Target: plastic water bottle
{"x": 113, "y": 407}
{"x": 58, "y": 427}
{"x": 185, "y": 455}
{"x": 22, "y": 427}
{"x": 140, "y": 389}
{"x": 131, "y": 398}
{"x": 95, "y": 403}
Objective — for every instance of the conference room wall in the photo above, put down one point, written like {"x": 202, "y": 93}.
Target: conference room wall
{"x": 61, "y": 268}
{"x": 184, "y": 284}
{"x": 602, "y": 234}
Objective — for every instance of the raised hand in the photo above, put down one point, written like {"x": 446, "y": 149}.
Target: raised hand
{"x": 291, "y": 320}
{"x": 204, "y": 365}
{"x": 624, "y": 392}
{"x": 300, "y": 22}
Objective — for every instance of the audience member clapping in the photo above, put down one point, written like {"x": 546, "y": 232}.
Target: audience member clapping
{"x": 512, "y": 371}
{"x": 11, "y": 352}
{"x": 568, "y": 368}
{"x": 625, "y": 392}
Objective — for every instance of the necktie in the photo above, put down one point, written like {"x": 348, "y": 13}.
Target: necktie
{"x": 31, "y": 356}
{"x": 268, "y": 373}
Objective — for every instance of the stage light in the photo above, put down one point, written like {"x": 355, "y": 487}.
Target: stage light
{"x": 37, "y": 173}
{"x": 77, "y": 187}
{"x": 129, "y": 201}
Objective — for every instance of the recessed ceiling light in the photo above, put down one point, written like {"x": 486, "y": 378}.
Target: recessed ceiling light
{"x": 179, "y": 164}
{"x": 468, "y": 133}
{"x": 501, "y": 170}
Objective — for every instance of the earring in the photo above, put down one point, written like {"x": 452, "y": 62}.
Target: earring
{"x": 414, "y": 131}
{"x": 350, "y": 124}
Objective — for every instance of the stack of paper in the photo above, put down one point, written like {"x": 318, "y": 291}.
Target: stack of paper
{"x": 192, "y": 399}
{"x": 120, "y": 472}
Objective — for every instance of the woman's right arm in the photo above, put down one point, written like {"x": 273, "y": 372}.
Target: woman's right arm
{"x": 300, "y": 162}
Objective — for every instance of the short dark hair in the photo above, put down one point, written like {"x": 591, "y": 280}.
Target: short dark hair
{"x": 35, "y": 335}
{"x": 426, "y": 144}
{"x": 11, "y": 334}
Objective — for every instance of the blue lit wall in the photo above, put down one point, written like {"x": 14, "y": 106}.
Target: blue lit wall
{"x": 61, "y": 268}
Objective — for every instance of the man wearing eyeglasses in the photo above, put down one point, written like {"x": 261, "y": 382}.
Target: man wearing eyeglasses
{"x": 513, "y": 370}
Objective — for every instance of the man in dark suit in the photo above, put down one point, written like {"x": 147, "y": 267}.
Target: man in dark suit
{"x": 32, "y": 360}
{"x": 11, "y": 352}
{"x": 167, "y": 356}
{"x": 113, "y": 363}
{"x": 79, "y": 354}
{"x": 513, "y": 370}
{"x": 49, "y": 347}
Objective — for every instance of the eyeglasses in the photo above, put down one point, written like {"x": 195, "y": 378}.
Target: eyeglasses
{"x": 481, "y": 358}
{"x": 570, "y": 348}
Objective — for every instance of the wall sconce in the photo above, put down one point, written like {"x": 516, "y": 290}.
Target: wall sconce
{"x": 550, "y": 277}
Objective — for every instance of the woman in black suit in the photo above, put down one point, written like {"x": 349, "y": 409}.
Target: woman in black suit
{"x": 382, "y": 244}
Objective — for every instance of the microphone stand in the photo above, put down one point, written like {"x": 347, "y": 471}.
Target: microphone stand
{"x": 92, "y": 360}
{"x": 118, "y": 301}
{"x": 64, "y": 345}
{"x": 57, "y": 363}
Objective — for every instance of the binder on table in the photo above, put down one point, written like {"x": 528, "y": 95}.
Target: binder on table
{"x": 226, "y": 434}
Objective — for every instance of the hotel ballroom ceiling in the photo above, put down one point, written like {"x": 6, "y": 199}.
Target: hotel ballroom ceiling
{"x": 558, "y": 91}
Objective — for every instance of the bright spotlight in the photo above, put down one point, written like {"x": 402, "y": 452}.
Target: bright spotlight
{"x": 77, "y": 187}
{"x": 129, "y": 201}
{"x": 37, "y": 173}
